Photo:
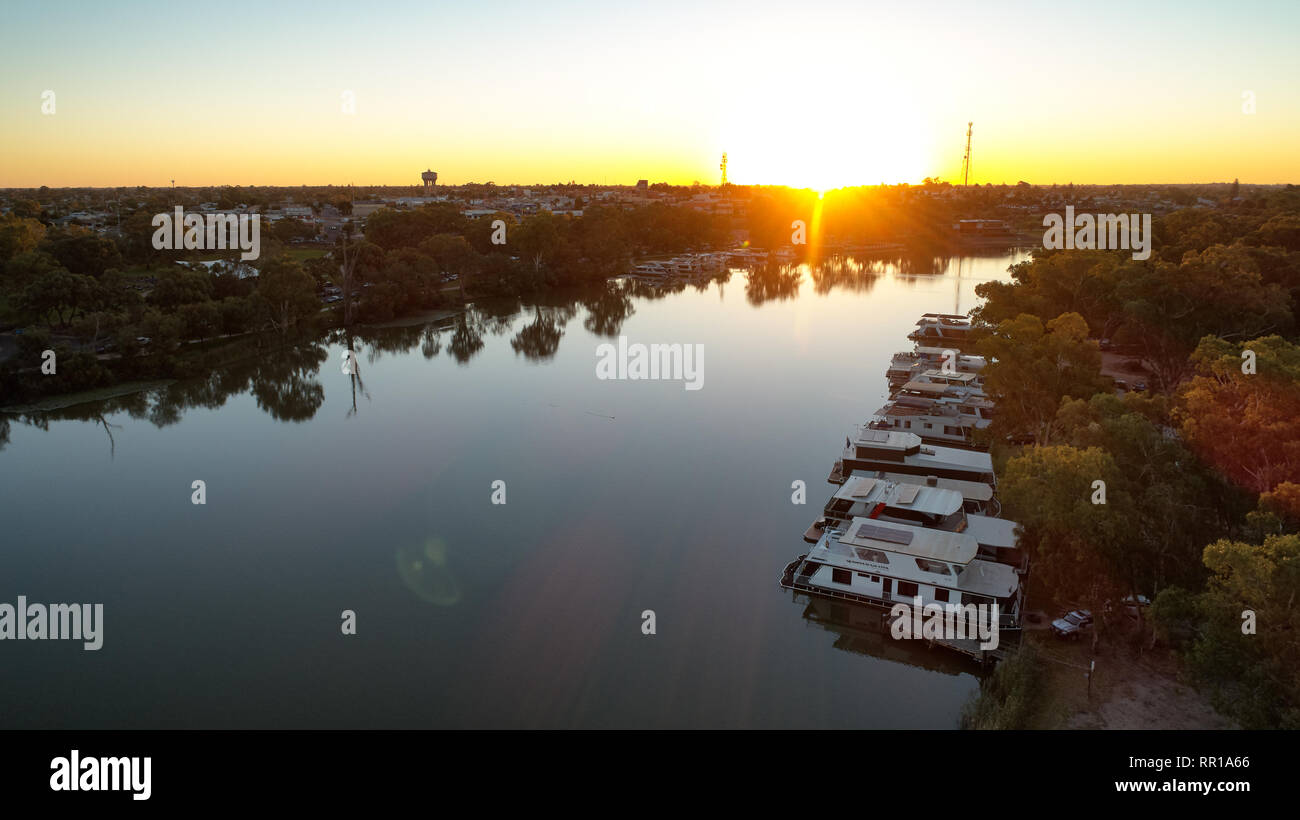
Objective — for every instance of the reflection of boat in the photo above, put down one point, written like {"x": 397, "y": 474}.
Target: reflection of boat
{"x": 879, "y": 563}
{"x": 918, "y": 505}
{"x": 900, "y": 452}
{"x": 861, "y": 630}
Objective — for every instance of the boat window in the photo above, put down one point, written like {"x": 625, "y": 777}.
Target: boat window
{"x": 907, "y": 589}
{"x": 875, "y": 556}
{"x": 941, "y": 594}
{"x": 841, "y": 576}
{"x": 926, "y": 565}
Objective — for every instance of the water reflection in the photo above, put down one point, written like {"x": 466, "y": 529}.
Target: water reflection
{"x": 541, "y": 339}
{"x": 859, "y": 629}
{"x": 285, "y": 379}
{"x": 772, "y": 282}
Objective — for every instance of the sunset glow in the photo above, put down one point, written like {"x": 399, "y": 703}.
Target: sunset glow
{"x": 822, "y": 95}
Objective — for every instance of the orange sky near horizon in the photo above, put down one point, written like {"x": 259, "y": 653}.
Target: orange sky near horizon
{"x": 834, "y": 95}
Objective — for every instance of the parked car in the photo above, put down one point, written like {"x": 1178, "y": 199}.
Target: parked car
{"x": 1120, "y": 384}
{"x": 1072, "y": 624}
{"x": 1140, "y": 387}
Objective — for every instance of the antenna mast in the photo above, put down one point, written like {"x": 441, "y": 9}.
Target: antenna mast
{"x": 965, "y": 161}
{"x": 723, "y": 166}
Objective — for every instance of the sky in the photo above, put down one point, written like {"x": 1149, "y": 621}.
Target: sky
{"x": 809, "y": 93}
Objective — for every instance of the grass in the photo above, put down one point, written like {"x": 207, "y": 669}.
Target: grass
{"x": 1008, "y": 698}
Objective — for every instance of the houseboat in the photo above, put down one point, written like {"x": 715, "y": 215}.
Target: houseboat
{"x": 880, "y": 563}
{"x": 903, "y": 452}
{"x": 977, "y": 497}
{"x": 925, "y": 410}
{"x": 943, "y": 330}
{"x": 956, "y": 385}
{"x": 905, "y": 366}
{"x": 918, "y": 505}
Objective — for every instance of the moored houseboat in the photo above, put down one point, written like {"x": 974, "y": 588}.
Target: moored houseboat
{"x": 918, "y": 505}
{"x": 880, "y": 564}
{"x": 903, "y": 452}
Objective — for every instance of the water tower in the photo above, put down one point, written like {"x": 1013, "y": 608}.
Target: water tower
{"x": 430, "y": 181}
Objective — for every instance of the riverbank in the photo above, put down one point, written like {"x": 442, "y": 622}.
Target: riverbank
{"x": 1049, "y": 688}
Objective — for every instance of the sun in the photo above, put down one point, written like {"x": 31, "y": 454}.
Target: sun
{"x": 838, "y": 146}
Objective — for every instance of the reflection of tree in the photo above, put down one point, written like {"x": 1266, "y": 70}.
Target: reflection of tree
{"x": 845, "y": 272}
{"x": 608, "y": 310}
{"x": 282, "y": 381}
{"x": 922, "y": 264}
{"x": 351, "y": 345}
{"x": 468, "y": 338}
{"x": 772, "y": 282}
{"x": 431, "y": 342}
{"x": 541, "y": 339}
{"x": 283, "y": 385}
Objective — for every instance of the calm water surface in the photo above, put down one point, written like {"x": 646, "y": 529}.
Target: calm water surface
{"x": 325, "y": 495}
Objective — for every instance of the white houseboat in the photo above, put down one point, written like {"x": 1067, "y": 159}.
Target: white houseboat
{"x": 880, "y": 563}
{"x": 903, "y": 452}
{"x": 905, "y": 366}
{"x": 924, "y": 409}
{"x": 918, "y": 505}
{"x": 942, "y": 330}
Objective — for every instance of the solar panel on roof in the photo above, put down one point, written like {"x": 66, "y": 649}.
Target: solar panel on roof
{"x": 884, "y": 534}
{"x": 864, "y": 487}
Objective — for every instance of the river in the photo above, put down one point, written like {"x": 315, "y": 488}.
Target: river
{"x": 373, "y": 493}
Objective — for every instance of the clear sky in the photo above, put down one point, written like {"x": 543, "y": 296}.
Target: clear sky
{"x": 799, "y": 92}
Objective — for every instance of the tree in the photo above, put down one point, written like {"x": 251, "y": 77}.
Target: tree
{"x": 1081, "y": 549}
{"x": 1253, "y": 676}
{"x": 288, "y": 291}
{"x": 59, "y": 293}
{"x": 84, "y": 252}
{"x": 1245, "y": 424}
{"x": 1218, "y": 291}
{"x": 18, "y": 235}
{"x": 1033, "y": 368}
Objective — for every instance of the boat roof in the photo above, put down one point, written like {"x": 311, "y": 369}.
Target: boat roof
{"x": 919, "y": 497}
{"x": 937, "y": 545}
{"x": 963, "y": 376}
{"x": 974, "y": 490}
{"x": 988, "y": 578}
{"x": 926, "y": 387}
{"x": 887, "y": 439}
{"x": 992, "y": 532}
{"x": 926, "y": 350}
{"x": 910, "y": 444}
